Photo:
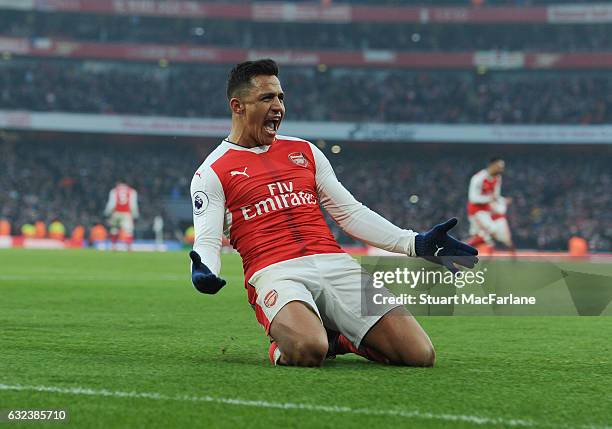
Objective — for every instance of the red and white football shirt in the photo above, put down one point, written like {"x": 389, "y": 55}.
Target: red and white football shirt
{"x": 484, "y": 189}
{"x": 269, "y": 198}
{"x": 122, "y": 199}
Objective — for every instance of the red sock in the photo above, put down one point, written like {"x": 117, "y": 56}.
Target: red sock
{"x": 345, "y": 346}
{"x": 129, "y": 240}
{"x": 486, "y": 250}
{"x": 475, "y": 241}
{"x": 114, "y": 238}
{"x": 274, "y": 353}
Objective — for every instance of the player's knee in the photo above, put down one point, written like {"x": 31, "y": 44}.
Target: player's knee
{"x": 426, "y": 357}
{"x": 309, "y": 351}
{"x": 420, "y": 355}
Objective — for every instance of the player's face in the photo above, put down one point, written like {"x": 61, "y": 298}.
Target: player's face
{"x": 498, "y": 168}
{"x": 264, "y": 109}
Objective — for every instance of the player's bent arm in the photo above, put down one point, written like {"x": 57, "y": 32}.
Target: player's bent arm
{"x": 497, "y": 190}
{"x": 353, "y": 217}
{"x": 134, "y": 204}
{"x": 110, "y": 204}
{"x": 475, "y": 195}
{"x": 208, "y": 203}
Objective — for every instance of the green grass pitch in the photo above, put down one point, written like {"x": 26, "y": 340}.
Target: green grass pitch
{"x": 123, "y": 340}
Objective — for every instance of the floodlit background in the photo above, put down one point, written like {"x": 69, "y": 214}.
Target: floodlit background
{"x": 408, "y": 100}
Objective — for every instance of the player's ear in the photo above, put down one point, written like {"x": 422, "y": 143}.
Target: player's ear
{"x": 236, "y": 106}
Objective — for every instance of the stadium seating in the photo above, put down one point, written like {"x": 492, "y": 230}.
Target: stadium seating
{"x": 383, "y": 95}
{"x": 558, "y": 194}
{"x": 555, "y": 196}
{"x": 359, "y": 35}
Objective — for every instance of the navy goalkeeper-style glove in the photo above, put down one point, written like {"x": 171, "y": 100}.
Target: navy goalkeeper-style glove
{"x": 437, "y": 246}
{"x": 202, "y": 278}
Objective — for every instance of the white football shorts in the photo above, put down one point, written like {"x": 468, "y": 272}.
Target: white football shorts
{"x": 482, "y": 224}
{"x": 330, "y": 284}
{"x": 120, "y": 220}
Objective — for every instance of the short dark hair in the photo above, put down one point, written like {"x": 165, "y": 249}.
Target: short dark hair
{"x": 241, "y": 75}
{"x": 495, "y": 159}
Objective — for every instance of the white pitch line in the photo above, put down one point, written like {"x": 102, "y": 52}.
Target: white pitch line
{"x": 477, "y": 420}
{"x": 39, "y": 277}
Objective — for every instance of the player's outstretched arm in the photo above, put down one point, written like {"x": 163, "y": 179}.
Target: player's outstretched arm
{"x": 437, "y": 246}
{"x": 354, "y": 218}
{"x": 368, "y": 226}
{"x": 202, "y": 278}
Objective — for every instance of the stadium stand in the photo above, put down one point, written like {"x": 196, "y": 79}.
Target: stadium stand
{"x": 74, "y": 180}
{"x": 558, "y": 192}
{"x": 555, "y": 197}
{"x": 358, "y": 35}
{"x": 380, "y": 95}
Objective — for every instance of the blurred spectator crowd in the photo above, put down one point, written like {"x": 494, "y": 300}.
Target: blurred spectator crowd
{"x": 451, "y": 2}
{"x": 423, "y": 2}
{"x": 557, "y": 194}
{"x": 312, "y": 94}
{"x": 319, "y": 36}
{"x": 71, "y": 182}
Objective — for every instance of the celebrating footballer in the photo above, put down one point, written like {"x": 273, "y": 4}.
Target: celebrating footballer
{"x": 266, "y": 191}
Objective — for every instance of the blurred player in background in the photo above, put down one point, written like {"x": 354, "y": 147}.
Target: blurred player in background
{"x": 305, "y": 290}
{"x": 487, "y": 207}
{"x": 122, "y": 209}
{"x": 158, "y": 231}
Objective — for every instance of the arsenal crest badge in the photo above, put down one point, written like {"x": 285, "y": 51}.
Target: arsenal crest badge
{"x": 270, "y": 298}
{"x": 298, "y": 158}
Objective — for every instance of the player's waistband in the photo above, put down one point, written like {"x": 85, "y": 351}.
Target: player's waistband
{"x": 251, "y": 272}
{"x": 475, "y": 208}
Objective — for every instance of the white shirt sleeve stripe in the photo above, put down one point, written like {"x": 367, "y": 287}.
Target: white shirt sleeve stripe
{"x": 208, "y": 204}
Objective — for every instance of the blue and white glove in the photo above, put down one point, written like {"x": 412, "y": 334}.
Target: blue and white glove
{"x": 437, "y": 246}
{"x": 202, "y": 278}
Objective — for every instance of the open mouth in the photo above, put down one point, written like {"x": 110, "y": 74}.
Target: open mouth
{"x": 271, "y": 126}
